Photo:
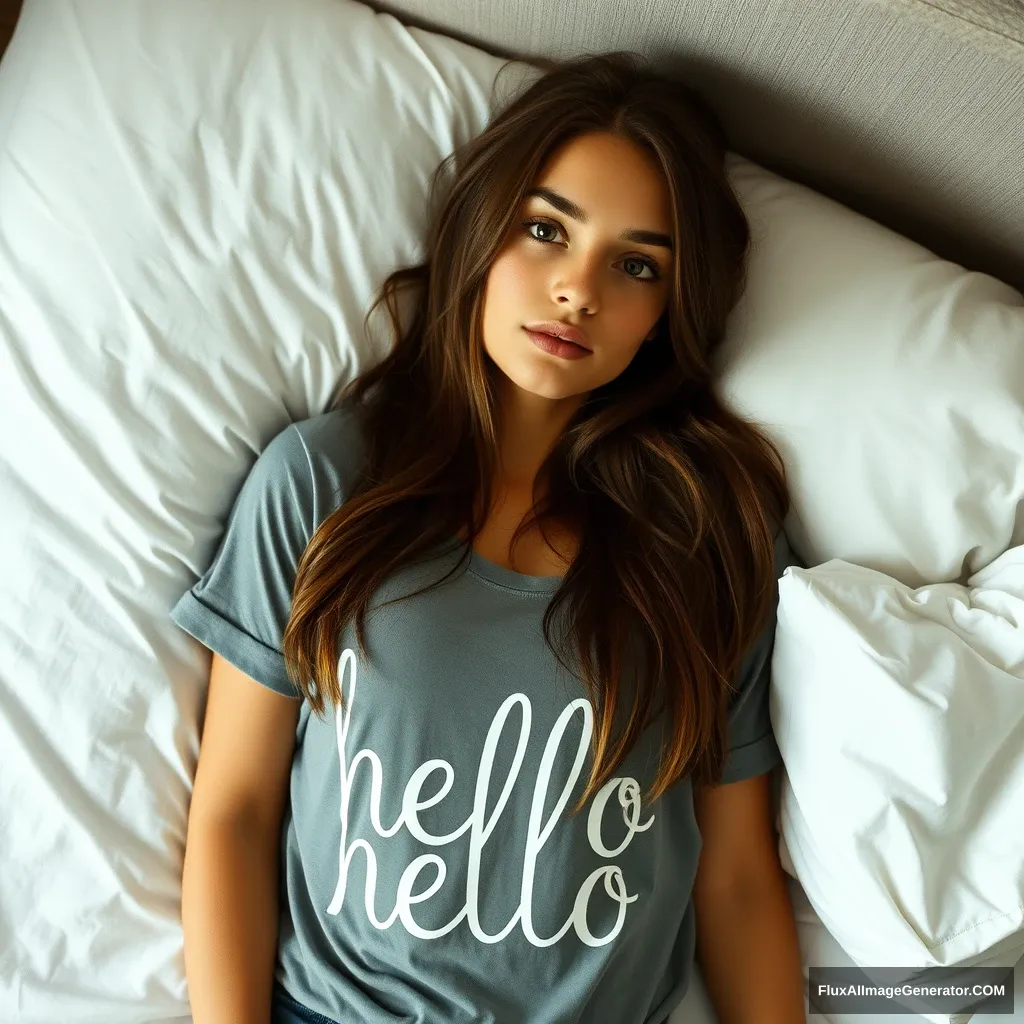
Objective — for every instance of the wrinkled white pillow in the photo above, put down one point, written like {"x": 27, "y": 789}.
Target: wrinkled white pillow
{"x": 900, "y": 717}
{"x": 892, "y": 380}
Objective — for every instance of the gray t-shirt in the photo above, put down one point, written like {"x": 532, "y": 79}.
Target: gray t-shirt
{"x": 430, "y": 870}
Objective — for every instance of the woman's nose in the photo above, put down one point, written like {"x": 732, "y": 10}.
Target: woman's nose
{"x": 576, "y": 288}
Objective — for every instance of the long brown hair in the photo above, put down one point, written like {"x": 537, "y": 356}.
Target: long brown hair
{"x": 676, "y": 501}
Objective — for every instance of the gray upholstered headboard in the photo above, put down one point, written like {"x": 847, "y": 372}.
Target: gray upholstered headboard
{"x": 909, "y": 111}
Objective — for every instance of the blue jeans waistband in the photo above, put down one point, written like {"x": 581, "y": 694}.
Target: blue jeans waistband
{"x": 285, "y": 1010}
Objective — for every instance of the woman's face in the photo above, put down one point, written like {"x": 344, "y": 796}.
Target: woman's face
{"x": 574, "y": 264}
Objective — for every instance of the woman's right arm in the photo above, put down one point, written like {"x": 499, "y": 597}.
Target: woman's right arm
{"x": 229, "y": 899}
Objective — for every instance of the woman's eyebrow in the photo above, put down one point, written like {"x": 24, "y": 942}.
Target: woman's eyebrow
{"x": 571, "y": 209}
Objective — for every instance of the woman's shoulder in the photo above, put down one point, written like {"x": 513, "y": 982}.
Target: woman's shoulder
{"x": 324, "y": 448}
{"x": 331, "y": 436}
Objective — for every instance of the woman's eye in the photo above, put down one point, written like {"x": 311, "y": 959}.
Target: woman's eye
{"x": 643, "y": 265}
{"x": 540, "y": 224}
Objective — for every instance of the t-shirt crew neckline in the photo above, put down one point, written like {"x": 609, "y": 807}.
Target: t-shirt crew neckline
{"x": 509, "y": 578}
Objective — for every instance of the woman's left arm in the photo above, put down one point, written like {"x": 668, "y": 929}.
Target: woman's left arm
{"x": 747, "y": 946}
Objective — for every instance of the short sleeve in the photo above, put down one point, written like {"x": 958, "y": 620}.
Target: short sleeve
{"x": 239, "y": 608}
{"x": 752, "y": 746}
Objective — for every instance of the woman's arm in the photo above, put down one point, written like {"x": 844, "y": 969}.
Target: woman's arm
{"x": 747, "y": 944}
{"x": 229, "y": 905}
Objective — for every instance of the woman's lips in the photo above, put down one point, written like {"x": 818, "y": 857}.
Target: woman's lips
{"x": 556, "y": 346}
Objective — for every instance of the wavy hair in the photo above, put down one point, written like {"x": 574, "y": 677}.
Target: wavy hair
{"x": 675, "y": 500}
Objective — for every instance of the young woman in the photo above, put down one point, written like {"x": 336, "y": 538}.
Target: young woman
{"x": 487, "y": 732}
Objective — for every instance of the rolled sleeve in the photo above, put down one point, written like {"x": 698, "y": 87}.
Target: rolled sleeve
{"x": 240, "y": 606}
{"x": 752, "y": 746}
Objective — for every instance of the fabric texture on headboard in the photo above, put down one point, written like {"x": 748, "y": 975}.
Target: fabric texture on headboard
{"x": 908, "y": 111}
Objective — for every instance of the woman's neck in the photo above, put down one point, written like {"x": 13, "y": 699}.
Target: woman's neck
{"x": 529, "y": 427}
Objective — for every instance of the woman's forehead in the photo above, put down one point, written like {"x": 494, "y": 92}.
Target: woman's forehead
{"x": 608, "y": 179}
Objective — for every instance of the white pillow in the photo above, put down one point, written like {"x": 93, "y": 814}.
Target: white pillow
{"x": 900, "y": 717}
{"x": 892, "y": 380}
{"x": 197, "y": 203}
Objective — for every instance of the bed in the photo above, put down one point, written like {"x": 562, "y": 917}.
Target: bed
{"x": 197, "y": 202}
